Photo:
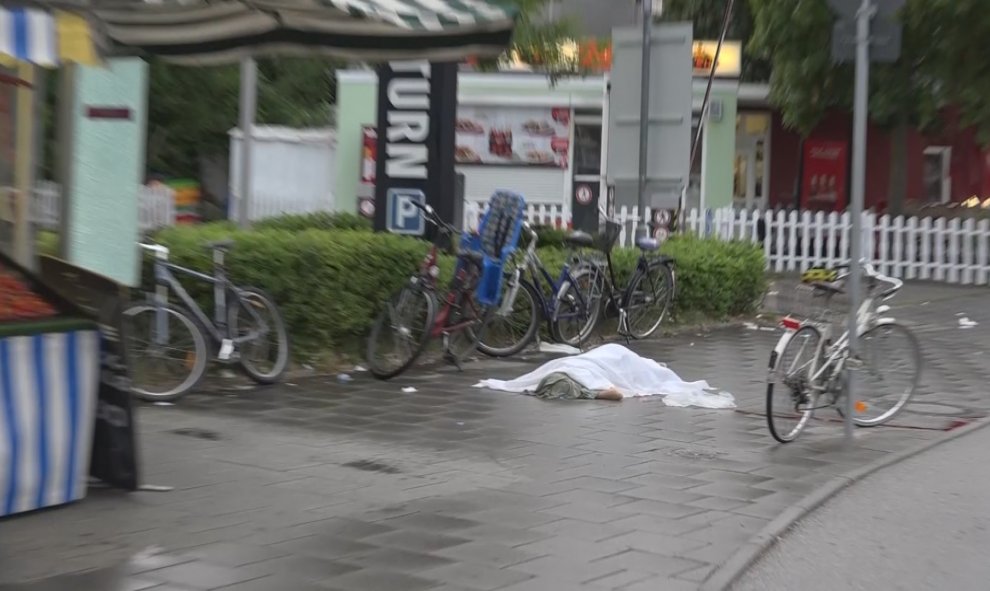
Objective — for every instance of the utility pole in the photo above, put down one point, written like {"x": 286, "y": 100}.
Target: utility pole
{"x": 644, "y": 115}
{"x": 248, "y": 107}
{"x": 860, "y": 106}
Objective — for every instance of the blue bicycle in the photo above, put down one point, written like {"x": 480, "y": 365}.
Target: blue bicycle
{"x": 525, "y": 304}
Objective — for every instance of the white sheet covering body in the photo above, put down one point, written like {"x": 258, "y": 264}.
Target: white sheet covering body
{"x": 632, "y": 375}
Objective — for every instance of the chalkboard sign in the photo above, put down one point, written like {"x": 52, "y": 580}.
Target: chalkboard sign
{"x": 114, "y": 457}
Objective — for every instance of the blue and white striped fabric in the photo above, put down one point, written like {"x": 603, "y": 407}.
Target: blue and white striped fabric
{"x": 48, "y": 391}
{"x": 29, "y": 35}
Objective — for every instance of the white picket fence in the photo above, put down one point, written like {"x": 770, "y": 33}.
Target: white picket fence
{"x": 156, "y": 206}
{"x": 925, "y": 248}
{"x": 950, "y": 250}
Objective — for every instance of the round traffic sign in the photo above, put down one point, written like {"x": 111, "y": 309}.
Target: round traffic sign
{"x": 583, "y": 194}
{"x": 661, "y": 234}
{"x": 367, "y": 207}
{"x": 662, "y": 217}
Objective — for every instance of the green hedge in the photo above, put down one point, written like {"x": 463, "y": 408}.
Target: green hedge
{"x": 329, "y": 284}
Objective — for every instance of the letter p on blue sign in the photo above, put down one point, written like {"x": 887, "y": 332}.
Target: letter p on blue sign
{"x": 402, "y": 216}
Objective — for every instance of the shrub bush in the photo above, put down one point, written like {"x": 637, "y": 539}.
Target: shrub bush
{"x": 315, "y": 221}
{"x": 329, "y": 284}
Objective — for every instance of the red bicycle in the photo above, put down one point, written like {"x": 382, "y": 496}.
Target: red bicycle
{"x": 410, "y": 319}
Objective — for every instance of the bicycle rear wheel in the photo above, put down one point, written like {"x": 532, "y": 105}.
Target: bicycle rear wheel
{"x": 265, "y": 358}
{"x": 166, "y": 349}
{"x": 790, "y": 397}
{"x": 514, "y": 322}
{"x": 648, "y": 300}
{"x": 578, "y": 305}
{"x": 889, "y": 376}
{"x": 400, "y": 332}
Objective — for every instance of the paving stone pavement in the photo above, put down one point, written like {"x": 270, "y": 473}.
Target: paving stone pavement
{"x": 360, "y": 487}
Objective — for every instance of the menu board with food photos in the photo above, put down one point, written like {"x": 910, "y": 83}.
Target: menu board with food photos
{"x": 533, "y": 136}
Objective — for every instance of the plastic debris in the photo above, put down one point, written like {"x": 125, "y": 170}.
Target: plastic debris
{"x": 751, "y": 326}
{"x": 343, "y": 378}
{"x": 163, "y": 404}
{"x": 965, "y": 322}
{"x": 409, "y": 390}
{"x": 360, "y": 369}
{"x": 460, "y": 423}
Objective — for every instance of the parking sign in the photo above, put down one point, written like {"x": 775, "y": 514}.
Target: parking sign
{"x": 402, "y": 216}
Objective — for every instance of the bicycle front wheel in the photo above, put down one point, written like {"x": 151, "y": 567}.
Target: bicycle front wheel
{"x": 166, "y": 350}
{"x": 889, "y": 376}
{"x": 400, "y": 332}
{"x": 577, "y": 306}
{"x": 266, "y": 357}
{"x": 514, "y": 322}
{"x": 648, "y": 300}
{"x": 791, "y": 398}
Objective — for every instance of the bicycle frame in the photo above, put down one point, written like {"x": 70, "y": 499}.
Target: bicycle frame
{"x": 837, "y": 353}
{"x": 429, "y": 270}
{"x": 533, "y": 264}
{"x": 217, "y": 327}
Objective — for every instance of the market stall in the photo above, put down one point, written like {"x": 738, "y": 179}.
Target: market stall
{"x": 49, "y": 375}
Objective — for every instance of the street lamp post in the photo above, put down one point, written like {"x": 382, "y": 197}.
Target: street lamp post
{"x": 644, "y": 114}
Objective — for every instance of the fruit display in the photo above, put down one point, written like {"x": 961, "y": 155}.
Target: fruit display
{"x": 18, "y": 302}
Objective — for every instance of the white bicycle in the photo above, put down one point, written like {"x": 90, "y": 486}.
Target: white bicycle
{"x": 808, "y": 365}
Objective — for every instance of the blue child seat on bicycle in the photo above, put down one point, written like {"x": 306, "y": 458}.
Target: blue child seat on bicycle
{"x": 497, "y": 238}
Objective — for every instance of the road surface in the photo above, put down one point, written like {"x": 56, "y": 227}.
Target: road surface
{"x": 921, "y": 524}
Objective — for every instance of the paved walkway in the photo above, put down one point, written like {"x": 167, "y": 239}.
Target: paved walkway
{"x": 359, "y": 486}
{"x": 922, "y": 524}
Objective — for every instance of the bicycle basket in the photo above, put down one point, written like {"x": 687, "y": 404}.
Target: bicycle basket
{"x": 801, "y": 302}
{"x": 607, "y": 239}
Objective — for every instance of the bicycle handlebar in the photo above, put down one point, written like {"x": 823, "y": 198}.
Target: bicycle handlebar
{"x": 871, "y": 273}
{"x": 433, "y": 218}
{"x": 161, "y": 252}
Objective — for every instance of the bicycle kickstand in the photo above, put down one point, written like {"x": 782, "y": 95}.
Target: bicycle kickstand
{"x": 447, "y": 355}
{"x": 624, "y": 325}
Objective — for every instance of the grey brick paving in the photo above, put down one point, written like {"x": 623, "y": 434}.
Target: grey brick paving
{"x": 359, "y": 486}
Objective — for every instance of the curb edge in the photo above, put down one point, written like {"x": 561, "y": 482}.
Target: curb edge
{"x": 723, "y": 577}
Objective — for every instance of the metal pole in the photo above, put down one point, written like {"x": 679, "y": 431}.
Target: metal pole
{"x": 248, "y": 107}
{"x": 644, "y": 115}
{"x": 860, "y": 106}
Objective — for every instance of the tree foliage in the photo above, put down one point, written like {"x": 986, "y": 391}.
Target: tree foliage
{"x": 795, "y": 36}
{"x": 191, "y": 110}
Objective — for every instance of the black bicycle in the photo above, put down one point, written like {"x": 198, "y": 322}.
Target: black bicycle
{"x": 169, "y": 342}
{"x": 641, "y": 305}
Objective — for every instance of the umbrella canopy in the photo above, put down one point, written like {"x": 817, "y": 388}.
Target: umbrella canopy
{"x": 222, "y": 31}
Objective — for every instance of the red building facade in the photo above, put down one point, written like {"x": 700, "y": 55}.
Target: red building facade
{"x": 947, "y": 166}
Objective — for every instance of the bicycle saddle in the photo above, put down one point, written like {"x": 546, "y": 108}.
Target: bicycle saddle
{"x": 579, "y": 238}
{"x": 219, "y": 244}
{"x": 648, "y": 244}
{"x": 474, "y": 256}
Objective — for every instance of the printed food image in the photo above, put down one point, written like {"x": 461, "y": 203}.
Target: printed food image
{"x": 469, "y": 126}
{"x": 542, "y": 128}
{"x": 466, "y": 154}
{"x": 539, "y": 156}
{"x": 703, "y": 60}
{"x": 18, "y": 302}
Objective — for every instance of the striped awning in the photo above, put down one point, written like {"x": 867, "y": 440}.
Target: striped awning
{"x": 47, "y": 39}
{"x": 218, "y": 31}
{"x": 29, "y": 35}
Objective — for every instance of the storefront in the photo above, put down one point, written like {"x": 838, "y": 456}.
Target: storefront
{"x": 774, "y": 168}
{"x": 555, "y": 133}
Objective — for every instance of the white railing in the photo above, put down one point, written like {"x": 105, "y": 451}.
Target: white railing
{"x": 938, "y": 249}
{"x": 156, "y": 206}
